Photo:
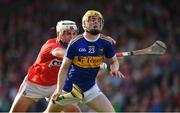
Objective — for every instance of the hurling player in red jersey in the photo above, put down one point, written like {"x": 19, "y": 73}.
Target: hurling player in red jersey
{"x": 41, "y": 78}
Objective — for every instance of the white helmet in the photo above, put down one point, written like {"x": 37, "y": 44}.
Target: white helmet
{"x": 65, "y": 25}
{"x": 92, "y": 21}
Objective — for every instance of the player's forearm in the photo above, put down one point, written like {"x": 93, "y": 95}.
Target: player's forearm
{"x": 61, "y": 79}
{"x": 62, "y": 75}
{"x": 58, "y": 52}
{"x": 114, "y": 64}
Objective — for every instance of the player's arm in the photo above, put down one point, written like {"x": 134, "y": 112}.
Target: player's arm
{"x": 114, "y": 67}
{"x": 62, "y": 74}
{"x": 113, "y": 61}
{"x": 67, "y": 59}
{"x": 58, "y": 52}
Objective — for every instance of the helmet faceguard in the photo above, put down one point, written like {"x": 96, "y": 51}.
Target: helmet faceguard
{"x": 93, "y": 22}
{"x": 64, "y": 25}
{"x": 66, "y": 30}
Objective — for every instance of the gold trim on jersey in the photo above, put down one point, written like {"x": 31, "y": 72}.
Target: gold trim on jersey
{"x": 76, "y": 38}
{"x": 107, "y": 38}
{"x": 88, "y": 61}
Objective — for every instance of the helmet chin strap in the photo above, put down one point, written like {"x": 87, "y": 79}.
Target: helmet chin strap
{"x": 93, "y": 32}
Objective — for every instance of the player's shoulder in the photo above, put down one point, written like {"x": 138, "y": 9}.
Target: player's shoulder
{"x": 49, "y": 43}
{"x": 107, "y": 38}
{"x": 52, "y": 40}
{"x": 78, "y": 37}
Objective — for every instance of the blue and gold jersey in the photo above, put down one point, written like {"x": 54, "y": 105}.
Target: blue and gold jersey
{"x": 86, "y": 58}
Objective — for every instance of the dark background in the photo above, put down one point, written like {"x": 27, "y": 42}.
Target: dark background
{"x": 152, "y": 83}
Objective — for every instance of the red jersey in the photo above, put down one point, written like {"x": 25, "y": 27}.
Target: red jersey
{"x": 45, "y": 69}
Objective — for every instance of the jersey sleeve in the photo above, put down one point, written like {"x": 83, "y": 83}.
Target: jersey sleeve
{"x": 109, "y": 50}
{"x": 70, "y": 52}
{"x": 49, "y": 47}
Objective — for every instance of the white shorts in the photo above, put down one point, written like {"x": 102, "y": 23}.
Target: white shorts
{"x": 35, "y": 91}
{"x": 91, "y": 94}
{"x": 88, "y": 96}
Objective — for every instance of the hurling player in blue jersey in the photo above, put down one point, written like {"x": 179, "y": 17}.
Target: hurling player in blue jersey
{"x": 81, "y": 64}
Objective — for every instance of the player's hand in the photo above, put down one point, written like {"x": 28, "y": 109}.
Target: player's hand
{"x": 117, "y": 73}
{"x": 55, "y": 96}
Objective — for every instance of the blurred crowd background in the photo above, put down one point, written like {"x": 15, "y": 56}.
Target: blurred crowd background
{"x": 152, "y": 83}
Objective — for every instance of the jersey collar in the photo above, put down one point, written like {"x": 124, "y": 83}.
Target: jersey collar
{"x": 90, "y": 39}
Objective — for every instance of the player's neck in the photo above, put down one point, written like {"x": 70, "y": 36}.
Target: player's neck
{"x": 90, "y": 37}
{"x": 59, "y": 40}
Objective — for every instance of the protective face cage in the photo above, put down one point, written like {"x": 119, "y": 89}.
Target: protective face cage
{"x": 96, "y": 17}
{"x": 64, "y": 25}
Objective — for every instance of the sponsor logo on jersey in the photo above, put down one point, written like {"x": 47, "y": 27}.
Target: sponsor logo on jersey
{"x": 88, "y": 61}
{"x": 82, "y": 50}
{"x": 55, "y": 62}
